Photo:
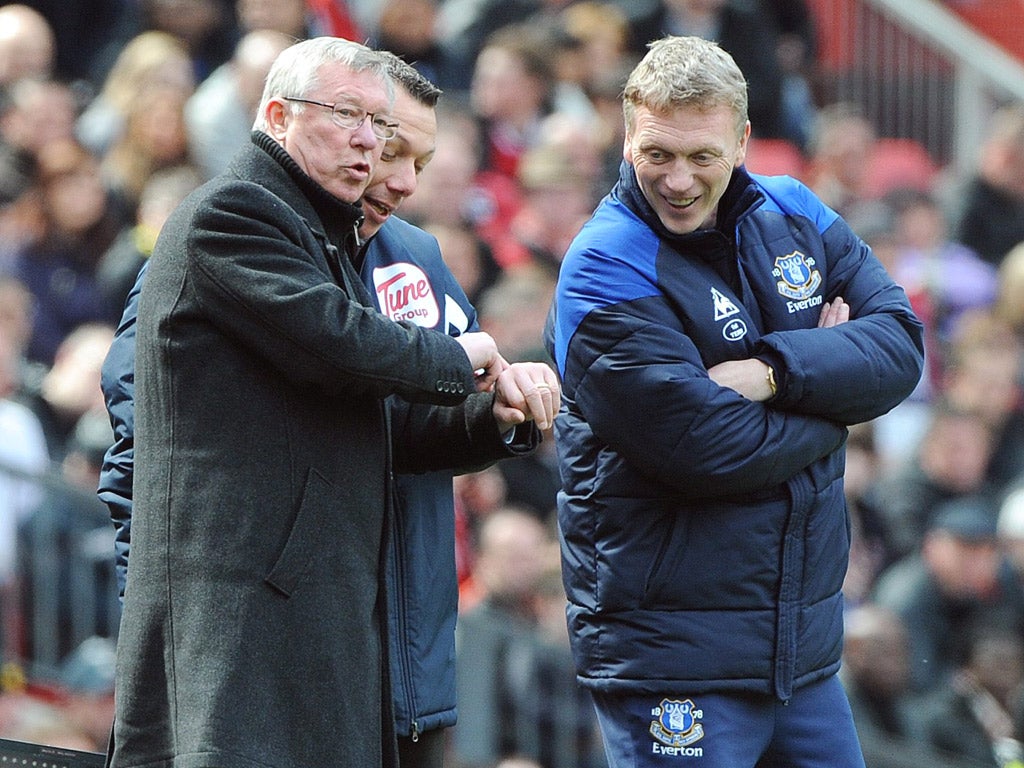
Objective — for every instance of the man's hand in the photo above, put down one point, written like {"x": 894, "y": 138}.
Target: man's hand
{"x": 750, "y": 377}
{"x": 834, "y": 313}
{"x": 483, "y": 355}
{"x": 526, "y": 391}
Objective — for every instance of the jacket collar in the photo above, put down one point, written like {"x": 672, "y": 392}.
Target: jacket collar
{"x": 328, "y": 216}
{"x": 741, "y": 196}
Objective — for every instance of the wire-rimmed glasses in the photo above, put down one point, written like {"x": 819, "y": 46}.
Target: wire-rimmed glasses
{"x": 348, "y": 115}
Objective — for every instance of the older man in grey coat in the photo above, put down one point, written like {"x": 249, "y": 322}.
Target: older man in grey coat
{"x": 251, "y": 632}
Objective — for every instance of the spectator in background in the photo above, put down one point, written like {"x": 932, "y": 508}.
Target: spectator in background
{"x": 350, "y": 19}
{"x": 747, "y": 31}
{"x": 218, "y": 116}
{"x": 942, "y": 278}
{"x": 876, "y": 675}
{"x": 154, "y": 139}
{"x": 796, "y": 52}
{"x": 557, "y": 198}
{"x": 957, "y": 579}
{"x": 511, "y": 93}
{"x": 66, "y": 545}
{"x": 602, "y": 29}
{"x": 71, "y": 386}
{"x": 408, "y": 28}
{"x": 455, "y": 190}
{"x": 514, "y": 310}
{"x": 467, "y": 256}
{"x": 839, "y": 155}
{"x": 151, "y": 59}
{"x": 206, "y": 27}
{"x": 869, "y": 545}
{"x": 605, "y": 92}
{"x": 119, "y": 265}
{"x": 467, "y": 25}
{"x": 989, "y": 217}
{"x": 983, "y": 700}
{"x": 17, "y": 307}
{"x": 1010, "y": 528}
{"x": 477, "y": 495}
{"x": 86, "y": 679}
{"x": 27, "y": 717}
{"x": 950, "y": 461}
{"x": 290, "y": 18}
{"x": 496, "y": 638}
{"x": 985, "y": 359}
{"x": 20, "y": 215}
{"x": 302, "y": 19}
{"x": 27, "y": 44}
{"x": 1009, "y": 304}
{"x": 88, "y": 35}
{"x": 590, "y": 38}
{"x": 24, "y": 458}
{"x": 36, "y": 113}
{"x": 78, "y": 225}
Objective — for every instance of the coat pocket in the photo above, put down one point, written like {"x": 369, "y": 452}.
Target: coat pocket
{"x": 293, "y": 563}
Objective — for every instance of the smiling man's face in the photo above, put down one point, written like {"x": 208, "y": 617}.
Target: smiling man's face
{"x": 684, "y": 159}
{"x": 405, "y": 156}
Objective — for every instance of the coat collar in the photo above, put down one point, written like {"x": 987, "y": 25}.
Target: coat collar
{"x": 326, "y": 215}
{"x": 741, "y": 196}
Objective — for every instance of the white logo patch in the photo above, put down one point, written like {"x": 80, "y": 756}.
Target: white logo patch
{"x": 404, "y": 293}
{"x": 724, "y": 306}
{"x": 734, "y": 330}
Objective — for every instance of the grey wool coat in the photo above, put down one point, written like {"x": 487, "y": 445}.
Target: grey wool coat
{"x": 251, "y": 635}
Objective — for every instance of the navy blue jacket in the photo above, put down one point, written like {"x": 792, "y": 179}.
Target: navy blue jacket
{"x": 403, "y": 268}
{"x": 705, "y": 536}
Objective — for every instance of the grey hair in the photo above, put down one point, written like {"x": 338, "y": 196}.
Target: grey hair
{"x": 296, "y": 70}
{"x": 685, "y": 71}
{"x": 409, "y": 78}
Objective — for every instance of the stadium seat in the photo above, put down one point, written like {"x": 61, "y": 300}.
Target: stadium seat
{"x": 774, "y": 157}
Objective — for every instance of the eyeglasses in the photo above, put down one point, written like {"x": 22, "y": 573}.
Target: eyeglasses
{"x": 348, "y": 115}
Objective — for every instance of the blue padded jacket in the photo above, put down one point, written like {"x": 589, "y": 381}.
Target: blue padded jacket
{"x": 705, "y": 536}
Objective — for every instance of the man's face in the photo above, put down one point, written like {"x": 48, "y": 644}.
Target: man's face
{"x": 341, "y": 160}
{"x": 684, "y": 159}
{"x": 397, "y": 174}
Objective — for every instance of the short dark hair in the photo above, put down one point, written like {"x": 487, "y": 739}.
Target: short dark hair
{"x": 411, "y": 79}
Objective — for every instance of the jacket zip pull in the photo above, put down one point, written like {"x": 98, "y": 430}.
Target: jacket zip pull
{"x": 415, "y": 732}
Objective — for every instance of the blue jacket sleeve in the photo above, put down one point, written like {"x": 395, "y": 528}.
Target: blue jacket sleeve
{"x": 861, "y": 369}
{"x": 639, "y": 382}
{"x": 118, "y": 384}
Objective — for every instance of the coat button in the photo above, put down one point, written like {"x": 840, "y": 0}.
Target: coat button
{"x": 460, "y": 388}
{"x": 439, "y": 385}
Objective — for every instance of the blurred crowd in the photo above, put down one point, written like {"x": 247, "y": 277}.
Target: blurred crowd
{"x": 111, "y": 111}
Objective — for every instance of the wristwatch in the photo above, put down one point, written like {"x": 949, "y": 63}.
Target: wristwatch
{"x": 770, "y": 377}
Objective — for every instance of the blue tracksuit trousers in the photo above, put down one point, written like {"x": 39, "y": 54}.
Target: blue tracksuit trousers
{"x": 814, "y": 729}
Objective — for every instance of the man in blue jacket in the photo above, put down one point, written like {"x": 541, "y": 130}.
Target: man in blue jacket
{"x": 403, "y": 268}
{"x": 715, "y": 332}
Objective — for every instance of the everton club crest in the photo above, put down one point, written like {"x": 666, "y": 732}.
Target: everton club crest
{"x": 797, "y": 278}
{"x": 676, "y": 724}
